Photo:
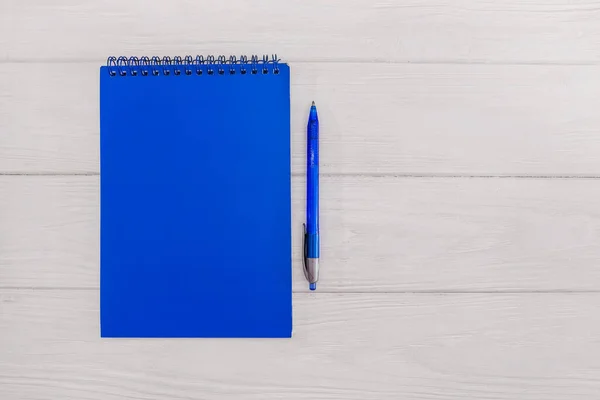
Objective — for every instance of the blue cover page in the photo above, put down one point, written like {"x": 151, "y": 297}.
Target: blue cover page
{"x": 195, "y": 198}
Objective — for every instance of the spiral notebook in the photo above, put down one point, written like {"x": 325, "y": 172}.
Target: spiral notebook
{"x": 195, "y": 197}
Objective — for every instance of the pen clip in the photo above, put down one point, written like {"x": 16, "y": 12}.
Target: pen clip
{"x": 305, "y": 251}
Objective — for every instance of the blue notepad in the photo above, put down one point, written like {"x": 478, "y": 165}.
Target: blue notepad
{"x": 195, "y": 197}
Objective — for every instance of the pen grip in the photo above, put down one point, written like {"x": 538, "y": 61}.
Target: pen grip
{"x": 312, "y": 245}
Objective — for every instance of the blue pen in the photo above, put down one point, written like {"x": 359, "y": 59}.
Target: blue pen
{"x": 311, "y": 229}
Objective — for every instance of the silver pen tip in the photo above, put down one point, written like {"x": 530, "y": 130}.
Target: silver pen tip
{"x": 313, "y": 104}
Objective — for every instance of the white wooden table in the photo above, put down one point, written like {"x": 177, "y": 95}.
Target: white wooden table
{"x": 460, "y": 200}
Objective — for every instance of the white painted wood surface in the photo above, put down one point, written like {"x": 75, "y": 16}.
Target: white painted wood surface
{"x": 380, "y": 234}
{"x": 531, "y": 31}
{"x": 433, "y": 286}
{"x": 381, "y": 118}
{"x": 345, "y": 346}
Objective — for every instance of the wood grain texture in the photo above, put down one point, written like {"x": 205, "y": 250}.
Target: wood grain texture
{"x": 344, "y": 346}
{"x": 379, "y": 234}
{"x": 376, "y": 119}
{"x": 552, "y": 31}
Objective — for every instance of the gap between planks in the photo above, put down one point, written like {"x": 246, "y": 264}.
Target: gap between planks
{"x": 358, "y": 175}
{"x": 338, "y": 292}
{"x": 370, "y": 61}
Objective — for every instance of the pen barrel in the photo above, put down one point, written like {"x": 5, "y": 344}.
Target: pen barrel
{"x": 312, "y": 199}
{"x": 312, "y": 178}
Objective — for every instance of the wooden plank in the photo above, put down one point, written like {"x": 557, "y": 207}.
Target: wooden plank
{"x": 376, "y": 119}
{"x": 305, "y": 30}
{"x": 345, "y": 346}
{"x": 49, "y": 118}
{"x": 378, "y": 234}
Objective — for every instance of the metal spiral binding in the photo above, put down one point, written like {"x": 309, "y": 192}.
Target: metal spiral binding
{"x": 199, "y": 65}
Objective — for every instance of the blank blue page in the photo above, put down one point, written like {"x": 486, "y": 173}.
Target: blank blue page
{"x": 195, "y": 202}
